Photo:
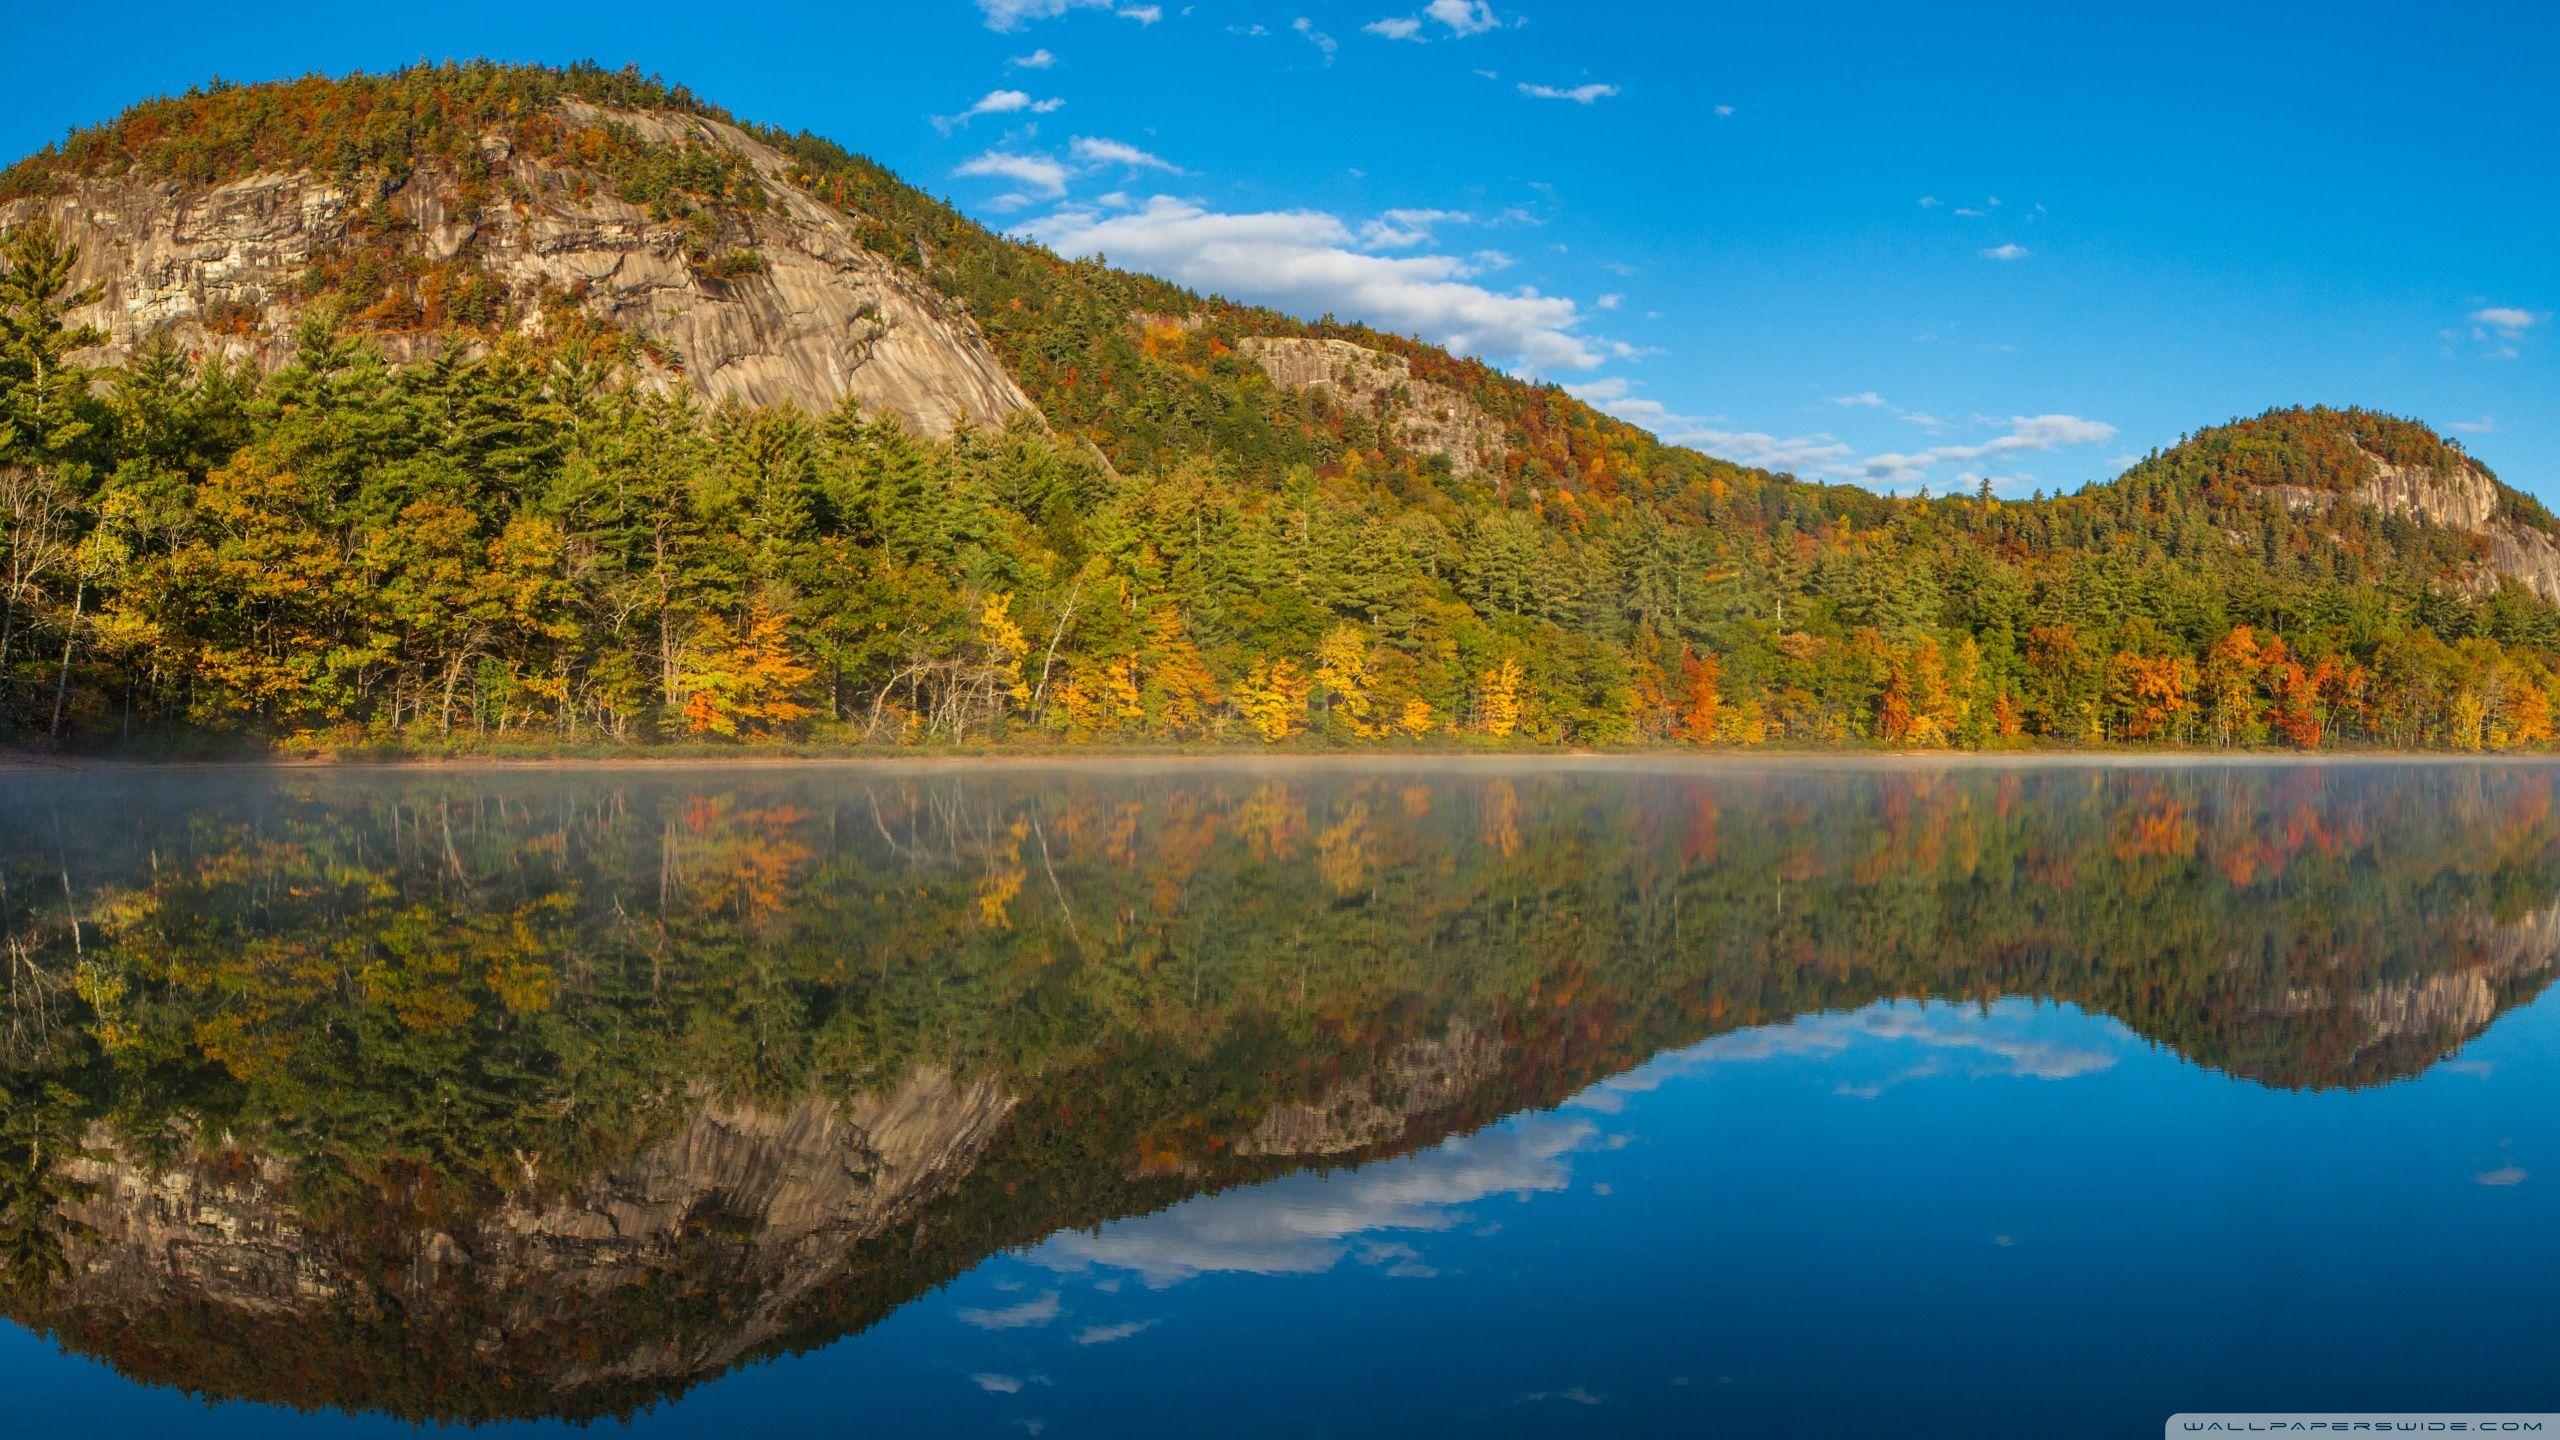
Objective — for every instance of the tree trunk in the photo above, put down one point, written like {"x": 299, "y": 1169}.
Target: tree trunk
{"x": 70, "y": 637}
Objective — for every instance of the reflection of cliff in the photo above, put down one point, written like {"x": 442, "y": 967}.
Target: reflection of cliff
{"x": 428, "y": 1097}
{"x": 2399, "y": 1027}
{"x": 662, "y": 1270}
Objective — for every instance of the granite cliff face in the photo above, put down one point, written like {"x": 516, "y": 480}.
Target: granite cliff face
{"x": 1417, "y": 415}
{"x": 814, "y": 318}
{"x": 2465, "y": 500}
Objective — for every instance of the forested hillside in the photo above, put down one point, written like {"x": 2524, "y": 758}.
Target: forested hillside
{"x": 443, "y": 508}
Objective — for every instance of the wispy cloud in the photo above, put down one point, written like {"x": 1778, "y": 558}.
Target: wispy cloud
{"x": 1039, "y": 59}
{"x": 1578, "y": 94}
{"x": 1094, "y": 150}
{"x": 1825, "y": 454}
{"x": 1000, "y": 102}
{"x": 1460, "y": 18}
{"x": 1312, "y": 262}
{"x": 1463, "y": 17}
{"x": 1013, "y": 14}
{"x": 1315, "y": 37}
{"x": 2011, "y": 251}
{"x": 1042, "y": 173}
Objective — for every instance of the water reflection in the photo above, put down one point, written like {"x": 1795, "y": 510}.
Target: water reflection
{"x": 479, "y": 1095}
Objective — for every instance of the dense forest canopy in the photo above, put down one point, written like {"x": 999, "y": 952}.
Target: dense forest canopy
{"x": 520, "y": 541}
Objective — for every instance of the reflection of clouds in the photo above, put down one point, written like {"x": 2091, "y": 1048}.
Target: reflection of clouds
{"x": 2504, "y": 1175}
{"x": 1037, "y": 1311}
{"x": 1105, "y": 1334}
{"x": 1966, "y": 1040}
{"x": 998, "y": 1384}
{"x": 1304, "y": 1224}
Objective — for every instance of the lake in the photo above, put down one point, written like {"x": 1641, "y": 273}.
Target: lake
{"x": 1295, "y": 1099}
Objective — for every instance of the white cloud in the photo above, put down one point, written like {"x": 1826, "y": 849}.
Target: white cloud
{"x": 1824, "y": 454}
{"x": 1579, "y": 94}
{"x": 1930, "y": 202}
{"x": 1610, "y": 301}
{"x": 2024, "y": 433}
{"x": 1094, "y": 150}
{"x": 1463, "y": 17}
{"x": 1009, "y": 14}
{"x": 1724, "y": 112}
{"x": 2507, "y": 320}
{"x": 1039, "y": 1310}
{"x": 2011, "y": 251}
{"x": 1404, "y": 229}
{"x": 1311, "y": 262}
{"x": 998, "y": 1384}
{"x": 1315, "y": 37}
{"x": 1003, "y": 102}
{"x": 2503, "y": 1177}
{"x": 2486, "y": 424}
{"x": 1041, "y": 172}
{"x": 1143, "y": 14}
{"x": 1039, "y": 59}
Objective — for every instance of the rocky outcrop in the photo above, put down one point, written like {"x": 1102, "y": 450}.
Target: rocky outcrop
{"x": 2464, "y": 500}
{"x": 1421, "y": 416}
{"x": 813, "y": 318}
{"x": 1423, "y": 1078}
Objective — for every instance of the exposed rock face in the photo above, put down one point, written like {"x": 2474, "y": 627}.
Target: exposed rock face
{"x": 765, "y": 1207}
{"x": 2466, "y": 501}
{"x": 1418, "y": 415}
{"x": 1424, "y": 1077}
{"x": 825, "y": 319}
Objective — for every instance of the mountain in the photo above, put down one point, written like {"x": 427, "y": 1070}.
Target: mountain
{"x": 480, "y": 405}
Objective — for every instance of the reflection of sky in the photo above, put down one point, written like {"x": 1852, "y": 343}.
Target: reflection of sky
{"x": 1307, "y": 1223}
{"x": 1838, "y": 1225}
{"x": 1303, "y": 1224}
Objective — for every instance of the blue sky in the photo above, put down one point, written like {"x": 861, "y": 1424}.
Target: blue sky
{"x": 1901, "y": 246}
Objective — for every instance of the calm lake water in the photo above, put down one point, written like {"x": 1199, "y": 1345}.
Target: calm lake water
{"x": 1357, "y": 1099}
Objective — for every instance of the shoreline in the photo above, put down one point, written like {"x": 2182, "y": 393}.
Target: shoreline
{"x": 30, "y": 763}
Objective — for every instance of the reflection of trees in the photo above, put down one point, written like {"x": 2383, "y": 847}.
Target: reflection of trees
{"x": 424, "y": 1002}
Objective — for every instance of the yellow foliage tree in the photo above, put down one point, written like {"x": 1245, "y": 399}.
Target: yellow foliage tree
{"x": 1178, "y": 690}
{"x": 1273, "y": 698}
{"x": 1498, "y": 700}
{"x": 742, "y": 684}
{"x": 1342, "y": 669}
{"x": 1004, "y": 643}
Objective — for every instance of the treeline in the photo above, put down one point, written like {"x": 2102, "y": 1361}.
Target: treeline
{"x": 516, "y": 543}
